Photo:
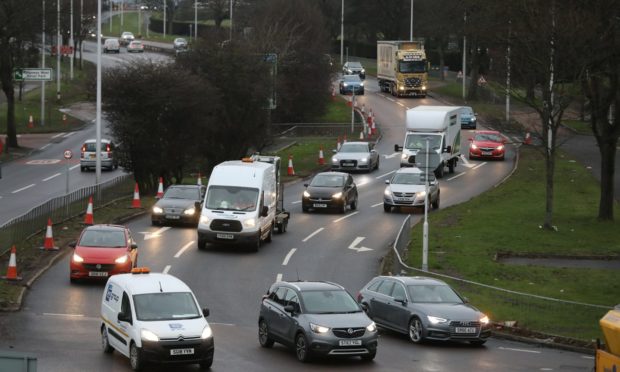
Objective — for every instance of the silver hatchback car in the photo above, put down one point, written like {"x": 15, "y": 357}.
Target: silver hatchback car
{"x": 316, "y": 318}
{"x": 354, "y": 156}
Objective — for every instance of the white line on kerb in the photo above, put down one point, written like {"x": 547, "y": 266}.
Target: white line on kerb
{"x": 180, "y": 252}
{"x": 375, "y": 205}
{"x": 347, "y": 216}
{"x": 71, "y": 315}
{"x": 50, "y": 177}
{"x": 479, "y": 165}
{"x": 288, "y": 256}
{"x": 313, "y": 234}
{"x": 73, "y": 167}
{"x": 279, "y": 278}
{"x": 521, "y": 350}
{"x": 166, "y": 269}
{"x": 383, "y": 175}
{"x": 58, "y": 135}
{"x": 457, "y": 176}
{"x": 44, "y": 147}
{"x": 22, "y": 189}
{"x": 68, "y": 134}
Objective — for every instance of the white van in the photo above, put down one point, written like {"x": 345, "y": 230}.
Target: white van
{"x": 153, "y": 317}
{"x": 240, "y": 204}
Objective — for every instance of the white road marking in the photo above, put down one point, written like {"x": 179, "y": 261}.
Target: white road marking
{"x": 347, "y": 216}
{"x": 70, "y": 315}
{"x": 457, "y": 176}
{"x": 521, "y": 350}
{"x": 180, "y": 252}
{"x": 546, "y": 369}
{"x": 288, "y": 256}
{"x": 279, "y": 278}
{"x": 223, "y": 324}
{"x": 296, "y": 202}
{"x": 390, "y": 99}
{"x": 391, "y": 155}
{"x": 400, "y": 104}
{"x": 68, "y": 134}
{"x": 73, "y": 167}
{"x": 515, "y": 139}
{"x": 376, "y": 205}
{"x": 362, "y": 183}
{"x": 154, "y": 234}
{"x": 587, "y": 357}
{"x": 479, "y": 165}
{"x": 356, "y": 242}
{"x": 44, "y": 147}
{"x": 58, "y": 135}
{"x": 43, "y": 161}
{"x": 386, "y": 174}
{"x": 50, "y": 177}
{"x": 166, "y": 269}
{"x": 313, "y": 234}
{"x": 22, "y": 189}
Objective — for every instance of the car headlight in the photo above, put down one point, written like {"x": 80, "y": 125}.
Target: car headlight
{"x": 387, "y": 191}
{"x": 363, "y": 71}
{"x": 306, "y": 194}
{"x": 157, "y": 210}
{"x": 484, "y": 320}
{"x": 345, "y": 84}
{"x": 337, "y": 195}
{"x": 363, "y": 160}
{"x": 500, "y": 147}
{"x": 404, "y": 156}
{"x": 148, "y": 335}
{"x": 250, "y": 222}
{"x": 362, "y": 85}
{"x": 77, "y": 258}
{"x": 206, "y": 332}
{"x": 423, "y": 87}
{"x": 401, "y": 87}
{"x": 420, "y": 195}
{"x": 204, "y": 219}
{"x": 473, "y": 146}
{"x": 318, "y": 329}
{"x": 436, "y": 320}
{"x": 372, "y": 327}
{"x": 121, "y": 259}
{"x": 334, "y": 160}
{"x": 190, "y": 211}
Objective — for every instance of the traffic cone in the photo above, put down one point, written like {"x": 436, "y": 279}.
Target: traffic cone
{"x": 362, "y": 135}
{"x": 321, "y": 158}
{"x": 48, "y": 243}
{"x": 291, "y": 171}
{"x": 88, "y": 218}
{"x": 160, "y": 189}
{"x": 528, "y": 139}
{"x": 338, "y": 144}
{"x": 135, "y": 203}
{"x": 199, "y": 183}
{"x": 30, "y": 122}
{"x": 64, "y": 119}
{"x": 11, "y": 273}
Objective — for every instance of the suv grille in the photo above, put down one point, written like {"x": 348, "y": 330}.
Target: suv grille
{"x": 344, "y": 332}
{"x": 226, "y": 225}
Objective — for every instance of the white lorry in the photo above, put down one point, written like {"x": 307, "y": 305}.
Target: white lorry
{"x": 243, "y": 203}
{"x": 402, "y": 68}
{"x": 441, "y": 126}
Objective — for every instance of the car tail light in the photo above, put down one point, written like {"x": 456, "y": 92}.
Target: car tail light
{"x": 83, "y": 148}
{"x": 108, "y": 148}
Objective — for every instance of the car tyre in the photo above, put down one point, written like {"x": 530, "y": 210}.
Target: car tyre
{"x": 369, "y": 357}
{"x": 263, "y": 335}
{"x": 377, "y": 165}
{"x": 304, "y": 209}
{"x": 206, "y": 364}
{"x": 387, "y": 208}
{"x": 135, "y": 357}
{"x": 105, "y": 342}
{"x": 343, "y": 208}
{"x": 202, "y": 244}
{"x": 440, "y": 171}
{"x": 416, "y": 330}
{"x": 256, "y": 245}
{"x": 82, "y": 169}
{"x": 302, "y": 349}
{"x": 435, "y": 204}
{"x": 270, "y": 235}
{"x": 477, "y": 342}
{"x": 354, "y": 204}
{"x": 451, "y": 165}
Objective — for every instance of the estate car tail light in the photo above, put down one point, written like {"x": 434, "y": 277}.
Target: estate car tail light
{"x": 107, "y": 148}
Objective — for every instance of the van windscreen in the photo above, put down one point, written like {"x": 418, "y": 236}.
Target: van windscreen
{"x": 165, "y": 306}
{"x": 232, "y": 198}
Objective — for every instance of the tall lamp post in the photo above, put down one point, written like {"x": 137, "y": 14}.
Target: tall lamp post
{"x": 58, "y": 44}
{"x": 195, "y": 20}
{"x": 464, "y": 54}
{"x": 341, "y": 32}
{"x": 165, "y": 6}
{"x": 71, "y": 44}
{"x": 411, "y": 23}
{"x": 98, "y": 100}
{"x": 231, "y": 20}
{"x": 43, "y": 66}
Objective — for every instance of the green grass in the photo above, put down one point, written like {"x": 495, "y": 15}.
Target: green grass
{"x": 581, "y": 127}
{"x": 464, "y": 239}
{"x": 337, "y": 111}
{"x": 305, "y": 155}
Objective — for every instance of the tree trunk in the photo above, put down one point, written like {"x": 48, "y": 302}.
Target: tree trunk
{"x": 474, "y": 71}
{"x": 607, "y": 148}
{"x": 441, "y": 60}
{"x": 6, "y": 78}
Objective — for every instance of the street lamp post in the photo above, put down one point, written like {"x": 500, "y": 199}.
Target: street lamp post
{"x": 352, "y": 108}
{"x": 425, "y": 226}
{"x": 71, "y": 44}
{"x": 122, "y": 13}
{"x": 231, "y": 20}
{"x": 195, "y": 19}
{"x": 165, "y": 6}
{"x": 411, "y": 23}
{"x": 98, "y": 100}
{"x": 464, "y": 55}
{"x": 43, "y": 66}
{"x": 341, "y": 32}
{"x": 58, "y": 44}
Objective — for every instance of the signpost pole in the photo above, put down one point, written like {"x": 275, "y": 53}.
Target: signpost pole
{"x": 425, "y": 233}
{"x": 43, "y": 66}
{"x": 352, "y": 108}
{"x": 68, "y": 155}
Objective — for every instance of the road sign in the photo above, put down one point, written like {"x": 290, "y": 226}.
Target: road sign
{"x": 32, "y": 74}
{"x": 68, "y": 154}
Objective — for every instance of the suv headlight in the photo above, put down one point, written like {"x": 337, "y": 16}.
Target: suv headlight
{"x": 387, "y": 191}
{"x": 372, "y": 327}
{"x": 436, "y": 320}
{"x": 420, "y": 195}
{"x": 318, "y": 328}
{"x": 206, "y": 332}
{"x": 157, "y": 210}
{"x": 190, "y": 211}
{"x": 148, "y": 335}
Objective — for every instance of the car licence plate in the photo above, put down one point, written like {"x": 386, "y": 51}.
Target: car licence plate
{"x": 225, "y": 236}
{"x": 487, "y": 153}
{"x": 350, "y": 342}
{"x": 402, "y": 199}
{"x": 188, "y": 351}
{"x": 92, "y": 156}
{"x": 465, "y": 330}
{"x": 319, "y": 205}
{"x": 172, "y": 217}
{"x": 98, "y": 273}
{"x": 347, "y": 164}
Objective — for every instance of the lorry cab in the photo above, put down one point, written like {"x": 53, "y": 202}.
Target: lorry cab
{"x": 154, "y": 317}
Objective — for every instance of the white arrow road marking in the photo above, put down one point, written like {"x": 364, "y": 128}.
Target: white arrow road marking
{"x": 383, "y": 175}
{"x": 466, "y": 162}
{"x": 391, "y": 156}
{"x": 347, "y": 216}
{"x": 180, "y": 252}
{"x": 154, "y": 234}
{"x": 22, "y": 189}
{"x": 479, "y": 165}
{"x": 50, "y": 177}
{"x": 521, "y": 350}
{"x": 288, "y": 256}
{"x": 166, "y": 269}
{"x": 356, "y": 242}
{"x": 313, "y": 234}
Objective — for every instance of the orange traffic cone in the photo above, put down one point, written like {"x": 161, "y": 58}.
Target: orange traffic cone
{"x": 11, "y": 273}
{"x": 48, "y": 243}
{"x": 135, "y": 203}
{"x": 199, "y": 180}
{"x": 30, "y": 122}
{"x": 321, "y": 158}
{"x": 88, "y": 218}
{"x": 291, "y": 171}
{"x": 528, "y": 139}
{"x": 160, "y": 189}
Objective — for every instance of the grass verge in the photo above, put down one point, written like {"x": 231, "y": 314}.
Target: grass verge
{"x": 580, "y": 127}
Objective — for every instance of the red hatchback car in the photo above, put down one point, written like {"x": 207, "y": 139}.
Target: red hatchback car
{"x": 102, "y": 251}
{"x": 487, "y": 144}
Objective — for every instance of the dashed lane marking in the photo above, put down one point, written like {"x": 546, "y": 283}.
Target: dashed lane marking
{"x": 166, "y": 269}
{"x": 288, "y": 256}
{"x": 520, "y": 350}
{"x": 73, "y": 167}
{"x": 386, "y": 174}
{"x": 50, "y": 177}
{"x": 68, "y": 135}
{"x": 44, "y": 147}
{"x": 58, "y": 135}
{"x": 479, "y": 165}
{"x": 279, "y": 278}
{"x": 347, "y": 216}
{"x": 313, "y": 234}
{"x": 457, "y": 176}
{"x": 376, "y": 205}
{"x": 296, "y": 202}
{"x": 180, "y": 252}
{"x": 22, "y": 189}
{"x": 68, "y": 315}
{"x": 400, "y": 104}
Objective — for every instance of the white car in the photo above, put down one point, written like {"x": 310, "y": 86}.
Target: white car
{"x": 407, "y": 188}
{"x": 127, "y": 37}
{"x": 111, "y": 46}
{"x": 88, "y": 155}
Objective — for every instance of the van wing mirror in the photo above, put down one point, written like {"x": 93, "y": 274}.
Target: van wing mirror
{"x": 398, "y": 148}
{"x": 72, "y": 244}
{"x": 449, "y": 149}
{"x": 206, "y": 312}
{"x": 264, "y": 211}
{"x": 124, "y": 318}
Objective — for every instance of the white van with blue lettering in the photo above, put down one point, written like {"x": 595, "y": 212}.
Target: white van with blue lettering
{"x": 153, "y": 317}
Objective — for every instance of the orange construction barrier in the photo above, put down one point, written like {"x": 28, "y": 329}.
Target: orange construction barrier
{"x": 88, "y": 218}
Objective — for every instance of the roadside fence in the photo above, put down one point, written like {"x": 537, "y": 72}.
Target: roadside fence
{"x": 550, "y": 316}
{"x": 62, "y": 208}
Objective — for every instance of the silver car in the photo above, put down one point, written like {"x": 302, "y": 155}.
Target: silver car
{"x": 88, "y": 155}
{"x": 316, "y": 318}
{"x": 180, "y": 203}
{"x": 407, "y": 188}
{"x": 354, "y": 68}
{"x": 355, "y": 156}
{"x": 423, "y": 308}
{"x": 126, "y": 38}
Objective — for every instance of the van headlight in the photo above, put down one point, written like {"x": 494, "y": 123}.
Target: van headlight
{"x": 404, "y": 156}
{"x": 157, "y": 210}
{"x": 372, "y": 327}
{"x": 250, "y": 222}
{"x": 148, "y": 335}
{"x": 206, "y": 332}
{"x": 204, "y": 220}
{"x": 189, "y": 211}
{"x": 318, "y": 328}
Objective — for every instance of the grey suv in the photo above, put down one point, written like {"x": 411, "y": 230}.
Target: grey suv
{"x": 316, "y": 318}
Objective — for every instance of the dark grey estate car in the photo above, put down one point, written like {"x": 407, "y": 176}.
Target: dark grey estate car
{"x": 316, "y": 318}
{"x": 424, "y": 308}
{"x": 180, "y": 203}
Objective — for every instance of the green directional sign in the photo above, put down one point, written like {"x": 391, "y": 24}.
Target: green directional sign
{"x": 32, "y": 74}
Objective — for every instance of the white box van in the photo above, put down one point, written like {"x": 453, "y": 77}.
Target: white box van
{"x": 240, "y": 204}
{"x": 153, "y": 317}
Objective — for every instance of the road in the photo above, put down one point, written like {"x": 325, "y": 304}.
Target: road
{"x": 59, "y": 322}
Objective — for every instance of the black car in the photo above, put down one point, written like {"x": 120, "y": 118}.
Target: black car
{"x": 330, "y": 190}
{"x": 180, "y": 203}
{"x": 351, "y": 84}
{"x": 423, "y": 308}
{"x": 316, "y": 318}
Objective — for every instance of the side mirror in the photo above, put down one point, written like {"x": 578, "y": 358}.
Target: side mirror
{"x": 264, "y": 211}
{"x": 205, "y": 312}
{"x": 72, "y": 244}
{"x": 398, "y": 148}
{"x": 334, "y": 151}
{"x": 305, "y": 185}
{"x": 289, "y": 309}
{"x": 402, "y": 300}
{"x": 449, "y": 149}
{"x": 124, "y": 318}
{"x": 373, "y": 151}
{"x": 134, "y": 245}
{"x": 387, "y": 182}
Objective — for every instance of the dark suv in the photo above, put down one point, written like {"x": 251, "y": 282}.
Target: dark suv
{"x": 316, "y": 318}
